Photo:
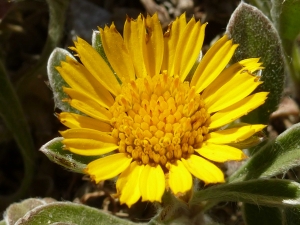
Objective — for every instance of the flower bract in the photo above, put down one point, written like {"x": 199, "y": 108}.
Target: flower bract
{"x": 153, "y": 111}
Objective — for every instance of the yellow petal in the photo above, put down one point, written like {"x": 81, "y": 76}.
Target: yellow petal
{"x": 128, "y": 184}
{"x": 86, "y": 133}
{"x": 117, "y": 53}
{"x": 96, "y": 65}
{"x": 135, "y": 37}
{"x": 88, "y": 147}
{"x": 225, "y": 77}
{"x": 87, "y": 105}
{"x": 213, "y": 62}
{"x": 154, "y": 45}
{"x": 251, "y": 64}
{"x": 220, "y": 153}
{"x": 234, "y": 135}
{"x": 171, "y": 38}
{"x": 203, "y": 169}
{"x": 73, "y": 120}
{"x": 108, "y": 167}
{"x": 79, "y": 78}
{"x": 237, "y": 110}
{"x": 228, "y": 73}
{"x": 239, "y": 87}
{"x": 152, "y": 183}
{"x": 188, "y": 48}
{"x": 249, "y": 61}
{"x": 180, "y": 179}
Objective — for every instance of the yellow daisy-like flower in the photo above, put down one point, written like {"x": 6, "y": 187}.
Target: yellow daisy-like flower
{"x": 154, "y": 128}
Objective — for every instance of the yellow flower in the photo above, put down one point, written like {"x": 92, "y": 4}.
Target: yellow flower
{"x": 147, "y": 123}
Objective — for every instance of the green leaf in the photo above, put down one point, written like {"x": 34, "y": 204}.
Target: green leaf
{"x": 264, "y": 6}
{"x": 257, "y": 37}
{"x": 14, "y": 119}
{"x": 286, "y": 17}
{"x": 69, "y": 213}
{"x": 17, "y": 210}
{"x": 274, "y": 158}
{"x": 289, "y": 29}
{"x": 270, "y": 192}
{"x": 296, "y": 62}
{"x": 54, "y": 150}
{"x": 256, "y": 214}
{"x": 57, "y": 82}
{"x": 2, "y": 222}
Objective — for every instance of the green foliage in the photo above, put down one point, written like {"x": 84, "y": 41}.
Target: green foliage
{"x": 256, "y": 34}
{"x": 286, "y": 17}
{"x": 57, "y": 82}
{"x": 289, "y": 29}
{"x": 295, "y": 65}
{"x": 264, "y": 6}
{"x": 45, "y": 211}
{"x": 269, "y": 192}
{"x": 274, "y": 158}
{"x": 55, "y": 152}
{"x": 17, "y": 210}
{"x": 257, "y": 37}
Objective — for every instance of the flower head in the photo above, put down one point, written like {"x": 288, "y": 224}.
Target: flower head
{"x": 144, "y": 119}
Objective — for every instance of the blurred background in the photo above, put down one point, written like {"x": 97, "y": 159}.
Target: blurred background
{"x": 29, "y": 31}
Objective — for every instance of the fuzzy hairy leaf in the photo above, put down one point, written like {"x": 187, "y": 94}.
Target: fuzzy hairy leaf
{"x": 57, "y": 82}
{"x": 69, "y": 213}
{"x": 17, "y": 210}
{"x": 264, "y": 6}
{"x": 257, "y": 37}
{"x": 269, "y": 192}
{"x": 55, "y": 152}
{"x": 275, "y": 158}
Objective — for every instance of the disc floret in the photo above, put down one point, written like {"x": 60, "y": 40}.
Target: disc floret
{"x": 159, "y": 119}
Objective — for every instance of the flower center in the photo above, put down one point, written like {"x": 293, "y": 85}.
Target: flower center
{"x": 159, "y": 120}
